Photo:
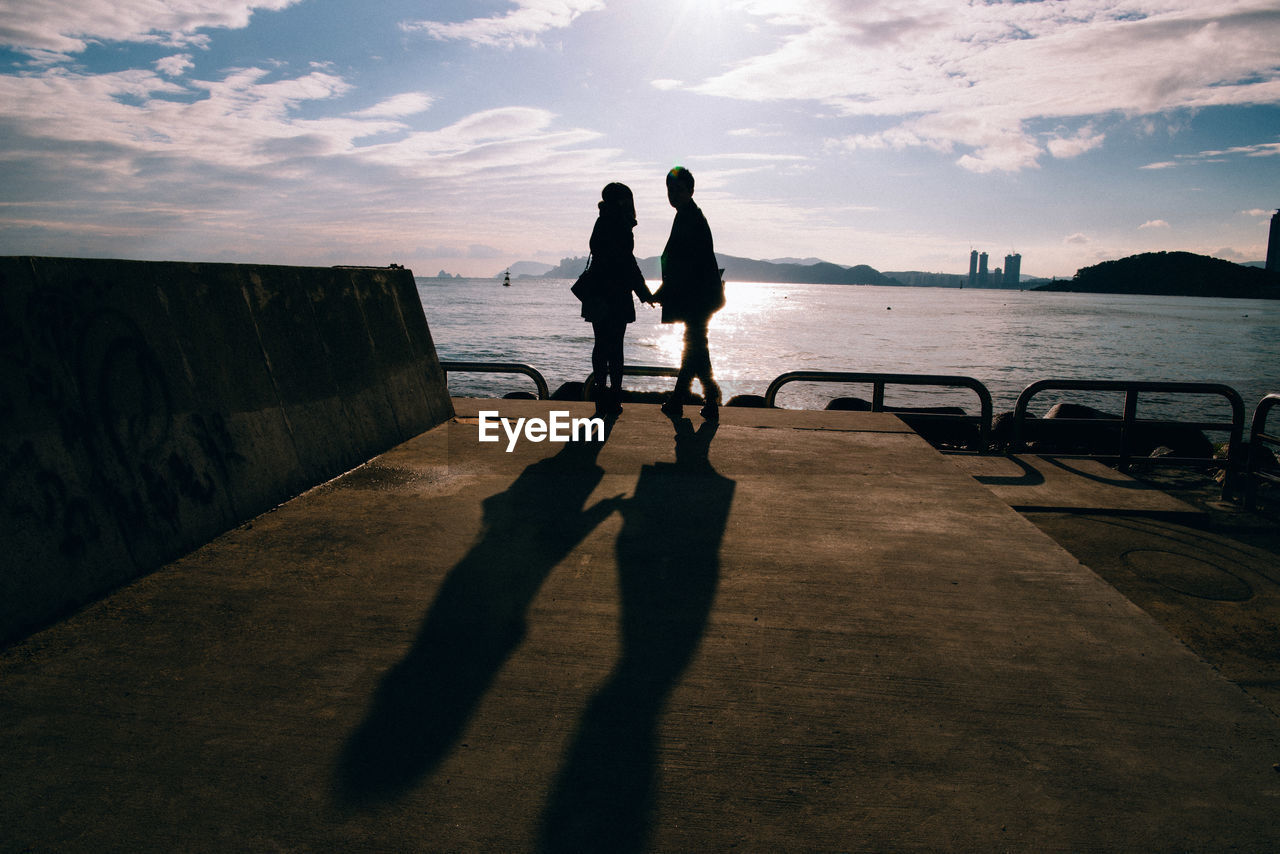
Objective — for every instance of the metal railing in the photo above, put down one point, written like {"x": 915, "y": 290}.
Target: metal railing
{"x": 878, "y": 381}
{"x": 1258, "y": 436}
{"x": 499, "y": 368}
{"x": 1129, "y": 422}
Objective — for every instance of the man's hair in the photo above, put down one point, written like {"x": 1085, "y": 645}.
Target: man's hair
{"x": 682, "y": 176}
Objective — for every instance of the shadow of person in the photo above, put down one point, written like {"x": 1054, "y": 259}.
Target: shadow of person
{"x": 668, "y": 570}
{"x": 475, "y": 622}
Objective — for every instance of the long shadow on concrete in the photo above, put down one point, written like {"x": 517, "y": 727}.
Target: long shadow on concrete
{"x": 477, "y": 619}
{"x": 668, "y": 568}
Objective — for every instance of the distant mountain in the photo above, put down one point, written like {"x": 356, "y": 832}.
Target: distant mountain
{"x": 568, "y": 268}
{"x": 805, "y": 261}
{"x": 1172, "y": 274}
{"x": 524, "y": 268}
{"x": 818, "y": 273}
{"x": 750, "y": 270}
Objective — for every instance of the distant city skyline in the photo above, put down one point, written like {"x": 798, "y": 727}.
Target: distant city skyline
{"x": 467, "y": 136}
{"x": 980, "y": 276}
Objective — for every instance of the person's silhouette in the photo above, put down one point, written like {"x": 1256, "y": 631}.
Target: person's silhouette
{"x": 668, "y": 571}
{"x": 692, "y": 290}
{"x": 476, "y": 621}
{"x": 608, "y": 305}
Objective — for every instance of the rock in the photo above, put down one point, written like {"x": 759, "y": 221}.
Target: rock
{"x": 1092, "y": 431}
{"x": 569, "y": 391}
{"x": 946, "y": 433}
{"x": 1078, "y": 410}
{"x": 1178, "y": 440}
{"x": 939, "y": 432}
{"x": 1261, "y": 457}
{"x": 1002, "y": 430}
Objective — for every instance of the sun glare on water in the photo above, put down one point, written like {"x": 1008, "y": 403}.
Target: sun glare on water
{"x": 748, "y": 307}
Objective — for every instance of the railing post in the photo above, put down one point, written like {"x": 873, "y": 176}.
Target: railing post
{"x": 1252, "y": 452}
{"x": 499, "y": 368}
{"x": 1129, "y": 421}
{"x": 1017, "y": 442}
{"x": 878, "y": 382}
{"x": 1126, "y": 426}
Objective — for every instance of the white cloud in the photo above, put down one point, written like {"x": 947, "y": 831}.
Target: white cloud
{"x": 1078, "y": 239}
{"x": 234, "y": 168}
{"x": 666, "y": 85}
{"x": 1154, "y": 223}
{"x": 755, "y": 156}
{"x": 1223, "y": 155}
{"x": 519, "y": 27}
{"x": 1229, "y": 253}
{"x": 243, "y": 121}
{"x": 979, "y": 76}
{"x": 1083, "y": 140}
{"x": 1269, "y": 149}
{"x": 502, "y": 140}
{"x": 397, "y": 106}
{"x": 48, "y": 29}
{"x": 249, "y": 121}
{"x": 758, "y": 132}
{"x": 174, "y": 66}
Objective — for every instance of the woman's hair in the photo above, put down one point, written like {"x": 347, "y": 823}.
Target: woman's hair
{"x": 615, "y": 198}
{"x": 682, "y": 176}
{"x": 615, "y": 192}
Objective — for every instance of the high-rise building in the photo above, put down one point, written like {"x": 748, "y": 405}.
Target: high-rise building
{"x": 1013, "y": 271}
{"x": 1008, "y": 277}
{"x": 1273, "y": 244}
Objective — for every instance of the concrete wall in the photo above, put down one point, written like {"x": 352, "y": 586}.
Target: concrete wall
{"x": 147, "y": 407}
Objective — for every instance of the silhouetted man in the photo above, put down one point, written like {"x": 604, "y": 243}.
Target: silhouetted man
{"x": 692, "y": 290}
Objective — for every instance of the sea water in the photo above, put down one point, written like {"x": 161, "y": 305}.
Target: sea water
{"x": 1004, "y": 339}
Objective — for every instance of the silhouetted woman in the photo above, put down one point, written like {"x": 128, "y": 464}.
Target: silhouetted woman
{"x": 610, "y": 308}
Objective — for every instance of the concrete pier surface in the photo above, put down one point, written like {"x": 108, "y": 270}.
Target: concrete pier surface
{"x": 793, "y": 631}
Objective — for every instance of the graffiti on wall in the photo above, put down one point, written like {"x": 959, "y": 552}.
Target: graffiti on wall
{"x": 95, "y": 448}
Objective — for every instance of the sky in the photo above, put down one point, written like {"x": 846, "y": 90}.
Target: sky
{"x": 465, "y": 135}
